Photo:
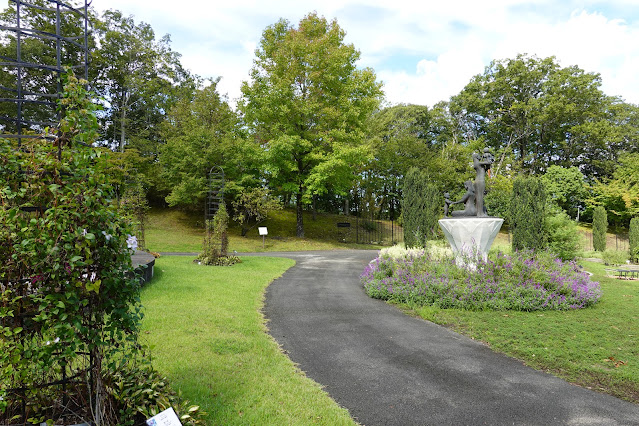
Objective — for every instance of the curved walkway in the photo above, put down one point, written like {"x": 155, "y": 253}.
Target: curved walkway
{"x": 388, "y": 368}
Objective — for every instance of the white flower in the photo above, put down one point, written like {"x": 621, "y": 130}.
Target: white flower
{"x": 84, "y": 232}
{"x": 93, "y": 276}
{"x": 57, "y": 339}
{"x": 107, "y": 236}
{"x": 132, "y": 242}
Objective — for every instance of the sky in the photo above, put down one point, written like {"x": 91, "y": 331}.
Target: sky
{"x": 424, "y": 52}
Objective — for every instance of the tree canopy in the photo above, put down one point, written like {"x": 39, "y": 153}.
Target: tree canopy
{"x": 307, "y": 104}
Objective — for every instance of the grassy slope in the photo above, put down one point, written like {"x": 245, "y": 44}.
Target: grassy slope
{"x": 596, "y": 347}
{"x": 207, "y": 335}
{"x": 170, "y": 230}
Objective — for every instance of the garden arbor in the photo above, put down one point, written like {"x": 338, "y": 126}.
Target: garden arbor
{"x": 69, "y": 307}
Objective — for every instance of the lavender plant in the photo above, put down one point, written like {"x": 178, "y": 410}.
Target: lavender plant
{"x": 525, "y": 281}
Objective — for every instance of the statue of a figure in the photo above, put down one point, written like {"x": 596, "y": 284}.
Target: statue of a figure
{"x": 469, "y": 202}
{"x": 447, "y": 203}
{"x": 474, "y": 197}
{"x": 481, "y": 164}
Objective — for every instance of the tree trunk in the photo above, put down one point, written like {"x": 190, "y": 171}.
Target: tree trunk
{"x": 300, "y": 218}
{"x": 347, "y": 207}
{"x": 122, "y": 128}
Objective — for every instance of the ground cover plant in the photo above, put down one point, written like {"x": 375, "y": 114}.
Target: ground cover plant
{"x": 211, "y": 318}
{"x": 523, "y": 281}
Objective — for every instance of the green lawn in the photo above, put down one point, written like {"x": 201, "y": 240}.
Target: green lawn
{"x": 596, "y": 347}
{"x": 207, "y": 335}
{"x": 171, "y": 230}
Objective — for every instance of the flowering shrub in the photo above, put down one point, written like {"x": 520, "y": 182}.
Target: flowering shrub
{"x": 523, "y": 281}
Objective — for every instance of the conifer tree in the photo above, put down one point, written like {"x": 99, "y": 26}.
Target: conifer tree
{"x": 599, "y": 228}
{"x": 527, "y": 212}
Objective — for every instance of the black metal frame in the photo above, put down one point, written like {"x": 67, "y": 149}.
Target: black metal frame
{"x": 47, "y": 100}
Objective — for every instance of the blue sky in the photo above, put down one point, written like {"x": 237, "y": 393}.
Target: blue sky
{"x": 423, "y": 52}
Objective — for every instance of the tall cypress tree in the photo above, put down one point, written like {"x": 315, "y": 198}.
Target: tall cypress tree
{"x": 634, "y": 239}
{"x": 599, "y": 228}
{"x": 527, "y": 212}
{"x": 420, "y": 207}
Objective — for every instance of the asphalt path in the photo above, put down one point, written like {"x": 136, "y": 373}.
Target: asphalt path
{"x": 388, "y": 368}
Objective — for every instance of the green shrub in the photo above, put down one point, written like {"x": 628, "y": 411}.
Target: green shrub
{"x": 634, "y": 239}
{"x": 614, "y": 257}
{"x": 561, "y": 234}
{"x": 527, "y": 214}
{"x": 599, "y": 228}
{"x": 421, "y": 206}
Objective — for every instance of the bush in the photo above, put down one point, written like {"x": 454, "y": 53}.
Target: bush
{"x": 599, "y": 228}
{"x": 421, "y": 206}
{"x": 522, "y": 282}
{"x": 527, "y": 213}
{"x": 561, "y": 234}
{"x": 614, "y": 257}
{"x": 634, "y": 239}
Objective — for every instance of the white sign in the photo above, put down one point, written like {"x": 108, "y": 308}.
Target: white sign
{"x": 165, "y": 418}
{"x": 262, "y": 230}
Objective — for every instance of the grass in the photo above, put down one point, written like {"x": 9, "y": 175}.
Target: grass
{"x": 207, "y": 335}
{"x": 597, "y": 347}
{"x": 170, "y": 230}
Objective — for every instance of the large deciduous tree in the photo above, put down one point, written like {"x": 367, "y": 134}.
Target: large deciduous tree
{"x": 140, "y": 78}
{"x": 200, "y": 133}
{"x": 536, "y": 114}
{"x": 307, "y": 103}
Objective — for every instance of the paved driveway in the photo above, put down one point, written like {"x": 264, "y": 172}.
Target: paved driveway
{"x": 388, "y": 368}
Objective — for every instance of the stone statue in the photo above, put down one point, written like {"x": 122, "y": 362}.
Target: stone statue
{"x": 474, "y": 197}
{"x": 447, "y": 203}
{"x": 468, "y": 199}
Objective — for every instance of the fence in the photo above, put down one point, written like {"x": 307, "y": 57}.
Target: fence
{"x": 368, "y": 231}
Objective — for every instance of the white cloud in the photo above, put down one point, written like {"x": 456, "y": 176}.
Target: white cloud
{"x": 443, "y": 43}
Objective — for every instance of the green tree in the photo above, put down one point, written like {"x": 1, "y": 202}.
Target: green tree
{"x": 201, "y": 133}
{"x": 527, "y": 213}
{"x": 565, "y": 187}
{"x": 140, "y": 78}
{"x": 599, "y": 228}
{"x": 619, "y": 195}
{"x": 634, "y": 239}
{"x": 307, "y": 103}
{"x": 421, "y": 207}
{"x": 535, "y": 113}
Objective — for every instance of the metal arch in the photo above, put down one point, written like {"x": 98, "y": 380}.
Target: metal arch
{"x": 44, "y": 100}
{"x": 215, "y": 195}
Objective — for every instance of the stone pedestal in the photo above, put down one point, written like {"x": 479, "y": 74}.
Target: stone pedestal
{"x": 469, "y": 235}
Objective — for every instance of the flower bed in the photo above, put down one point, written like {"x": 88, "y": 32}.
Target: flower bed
{"x": 523, "y": 281}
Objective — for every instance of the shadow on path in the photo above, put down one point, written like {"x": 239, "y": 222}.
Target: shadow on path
{"x": 388, "y": 368}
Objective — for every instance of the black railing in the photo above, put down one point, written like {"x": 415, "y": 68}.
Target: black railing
{"x": 369, "y": 231}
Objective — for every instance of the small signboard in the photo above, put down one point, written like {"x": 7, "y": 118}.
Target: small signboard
{"x": 165, "y": 418}
{"x": 262, "y": 230}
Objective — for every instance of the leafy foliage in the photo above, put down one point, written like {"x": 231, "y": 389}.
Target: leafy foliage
{"x": 216, "y": 241}
{"x": 633, "y": 237}
{"x": 561, "y": 234}
{"x": 252, "y": 206}
{"x": 66, "y": 281}
{"x": 308, "y": 104}
{"x": 527, "y": 212}
{"x": 565, "y": 187}
{"x": 599, "y": 228}
{"x": 421, "y": 209}
{"x": 522, "y": 282}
